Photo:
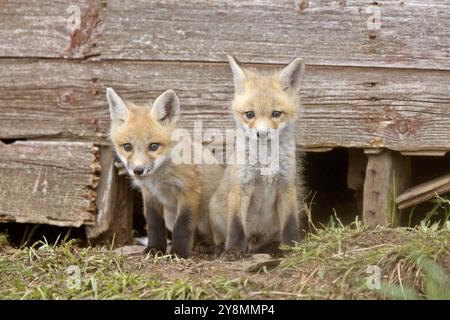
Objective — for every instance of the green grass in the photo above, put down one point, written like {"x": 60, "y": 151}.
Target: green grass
{"x": 340, "y": 257}
{"x": 332, "y": 263}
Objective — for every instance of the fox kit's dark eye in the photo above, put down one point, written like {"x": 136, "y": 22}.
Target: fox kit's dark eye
{"x": 250, "y": 114}
{"x": 276, "y": 114}
{"x": 153, "y": 146}
{"x": 127, "y": 147}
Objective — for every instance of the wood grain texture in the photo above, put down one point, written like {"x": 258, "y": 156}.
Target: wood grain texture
{"x": 43, "y": 29}
{"x": 405, "y": 110}
{"x": 115, "y": 205}
{"x": 48, "y": 182}
{"x": 412, "y": 33}
{"x": 387, "y": 174}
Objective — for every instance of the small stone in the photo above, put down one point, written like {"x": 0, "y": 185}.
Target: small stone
{"x": 130, "y": 250}
{"x": 261, "y": 256}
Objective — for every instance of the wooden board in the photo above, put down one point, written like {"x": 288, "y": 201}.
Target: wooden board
{"x": 352, "y": 107}
{"x": 411, "y": 33}
{"x": 424, "y": 192}
{"x": 48, "y": 182}
{"x": 115, "y": 205}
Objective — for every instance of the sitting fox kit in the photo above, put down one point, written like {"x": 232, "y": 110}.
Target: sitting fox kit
{"x": 250, "y": 211}
{"x": 174, "y": 194}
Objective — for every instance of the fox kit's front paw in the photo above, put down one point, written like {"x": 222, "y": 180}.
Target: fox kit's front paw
{"x": 233, "y": 255}
{"x": 179, "y": 254}
{"x": 203, "y": 247}
{"x": 218, "y": 250}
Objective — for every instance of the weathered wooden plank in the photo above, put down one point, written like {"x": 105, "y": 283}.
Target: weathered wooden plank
{"x": 387, "y": 174}
{"x": 426, "y": 153}
{"x": 115, "y": 205}
{"x": 411, "y": 33}
{"x": 48, "y": 182}
{"x": 405, "y": 110}
{"x": 423, "y": 192}
{"x": 50, "y": 29}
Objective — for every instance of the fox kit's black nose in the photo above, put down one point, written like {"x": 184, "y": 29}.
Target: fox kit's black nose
{"x": 139, "y": 171}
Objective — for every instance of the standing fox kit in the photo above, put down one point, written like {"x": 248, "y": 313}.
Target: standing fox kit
{"x": 251, "y": 211}
{"x": 175, "y": 195}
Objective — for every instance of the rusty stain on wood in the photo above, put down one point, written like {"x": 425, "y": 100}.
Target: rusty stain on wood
{"x": 303, "y": 5}
{"x": 83, "y": 38}
{"x": 372, "y": 34}
{"x": 342, "y": 3}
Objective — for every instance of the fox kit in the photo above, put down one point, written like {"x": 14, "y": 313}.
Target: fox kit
{"x": 176, "y": 196}
{"x": 252, "y": 211}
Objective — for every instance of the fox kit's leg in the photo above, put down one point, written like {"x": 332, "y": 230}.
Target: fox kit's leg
{"x": 287, "y": 209}
{"x": 156, "y": 229}
{"x": 238, "y": 203}
{"x": 184, "y": 229}
{"x": 218, "y": 220}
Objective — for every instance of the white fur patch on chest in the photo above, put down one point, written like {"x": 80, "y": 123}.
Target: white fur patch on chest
{"x": 262, "y": 222}
{"x": 160, "y": 191}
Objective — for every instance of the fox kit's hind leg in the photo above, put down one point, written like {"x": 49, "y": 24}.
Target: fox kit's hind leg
{"x": 238, "y": 204}
{"x": 184, "y": 229}
{"x": 156, "y": 229}
{"x": 287, "y": 209}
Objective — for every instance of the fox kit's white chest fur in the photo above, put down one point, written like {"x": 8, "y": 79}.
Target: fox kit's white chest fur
{"x": 161, "y": 190}
{"x": 164, "y": 192}
{"x": 262, "y": 222}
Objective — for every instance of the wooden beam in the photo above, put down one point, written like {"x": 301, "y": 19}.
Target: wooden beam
{"x": 48, "y": 182}
{"x": 319, "y": 149}
{"x": 423, "y": 192}
{"x": 424, "y": 153}
{"x": 399, "y": 109}
{"x": 387, "y": 175}
{"x": 116, "y": 201}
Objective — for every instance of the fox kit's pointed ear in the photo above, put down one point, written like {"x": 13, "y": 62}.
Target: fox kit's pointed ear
{"x": 291, "y": 76}
{"x": 166, "y": 108}
{"x": 238, "y": 74}
{"x": 117, "y": 107}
